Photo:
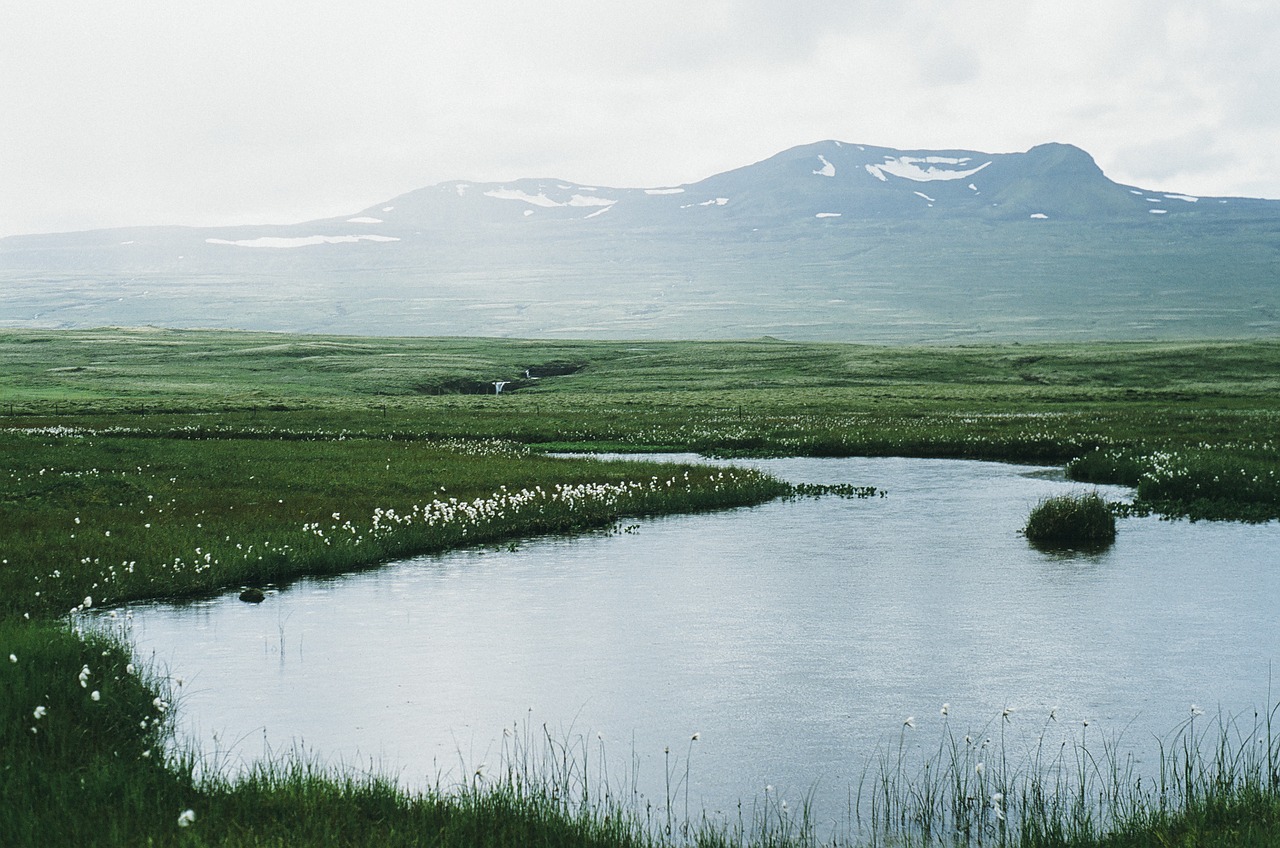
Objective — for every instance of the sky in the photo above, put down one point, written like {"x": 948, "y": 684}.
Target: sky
{"x": 202, "y": 113}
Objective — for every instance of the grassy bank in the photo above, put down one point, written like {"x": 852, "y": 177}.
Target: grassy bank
{"x": 143, "y": 464}
{"x": 120, "y": 517}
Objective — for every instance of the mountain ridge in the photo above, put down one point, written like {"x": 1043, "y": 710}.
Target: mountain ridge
{"x": 824, "y": 241}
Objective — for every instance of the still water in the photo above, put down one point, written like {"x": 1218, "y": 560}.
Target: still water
{"x": 794, "y": 638}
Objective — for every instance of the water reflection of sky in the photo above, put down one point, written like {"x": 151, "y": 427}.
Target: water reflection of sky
{"x": 794, "y": 637}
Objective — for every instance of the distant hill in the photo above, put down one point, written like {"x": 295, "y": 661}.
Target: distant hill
{"x": 831, "y": 241}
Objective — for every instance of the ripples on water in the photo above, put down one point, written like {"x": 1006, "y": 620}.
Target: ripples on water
{"x": 794, "y": 637}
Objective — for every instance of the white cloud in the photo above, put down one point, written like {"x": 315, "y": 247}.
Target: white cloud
{"x": 242, "y": 112}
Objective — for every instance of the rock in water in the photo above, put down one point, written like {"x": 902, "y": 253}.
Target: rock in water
{"x": 252, "y": 596}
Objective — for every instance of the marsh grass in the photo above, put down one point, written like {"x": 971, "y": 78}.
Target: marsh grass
{"x": 1217, "y": 780}
{"x": 1071, "y": 522}
{"x": 142, "y": 464}
{"x": 120, "y": 516}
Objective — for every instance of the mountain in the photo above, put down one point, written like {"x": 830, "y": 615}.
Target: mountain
{"x": 824, "y": 241}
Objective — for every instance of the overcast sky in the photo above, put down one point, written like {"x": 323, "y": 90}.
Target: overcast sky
{"x": 121, "y": 113}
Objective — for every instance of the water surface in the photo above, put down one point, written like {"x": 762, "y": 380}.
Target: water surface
{"x": 793, "y": 637}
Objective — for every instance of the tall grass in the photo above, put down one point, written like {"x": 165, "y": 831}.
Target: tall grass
{"x": 1074, "y": 790}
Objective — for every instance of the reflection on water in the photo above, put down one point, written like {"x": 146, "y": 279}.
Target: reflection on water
{"x": 793, "y": 637}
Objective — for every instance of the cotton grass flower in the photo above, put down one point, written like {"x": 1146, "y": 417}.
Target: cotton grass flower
{"x": 40, "y": 712}
{"x": 13, "y": 658}
{"x": 997, "y": 804}
{"x": 945, "y": 711}
{"x": 95, "y": 695}
{"x": 910, "y": 722}
{"x": 186, "y": 818}
{"x": 1196, "y": 711}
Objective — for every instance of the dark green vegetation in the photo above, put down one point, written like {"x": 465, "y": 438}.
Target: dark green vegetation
{"x": 1071, "y": 522}
{"x": 154, "y": 463}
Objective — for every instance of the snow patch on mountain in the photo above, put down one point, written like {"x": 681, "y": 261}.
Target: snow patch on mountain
{"x": 364, "y": 219}
{"x": 908, "y": 167}
{"x": 664, "y": 191}
{"x": 925, "y": 196}
{"x": 1188, "y": 198}
{"x": 827, "y": 169}
{"x": 719, "y": 201}
{"x": 301, "y": 241}
{"x": 1158, "y": 211}
{"x": 827, "y": 215}
{"x": 1040, "y": 216}
{"x": 541, "y": 199}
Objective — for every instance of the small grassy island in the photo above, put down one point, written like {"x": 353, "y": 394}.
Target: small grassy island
{"x": 1071, "y": 522}
{"x": 160, "y": 464}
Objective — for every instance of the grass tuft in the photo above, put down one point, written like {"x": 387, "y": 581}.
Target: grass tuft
{"x": 1071, "y": 522}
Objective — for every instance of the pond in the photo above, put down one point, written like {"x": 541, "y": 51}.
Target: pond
{"x": 795, "y": 638}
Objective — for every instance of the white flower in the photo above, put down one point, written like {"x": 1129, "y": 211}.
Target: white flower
{"x": 13, "y": 658}
{"x": 1196, "y": 711}
{"x": 910, "y": 722}
{"x": 187, "y": 817}
{"x": 979, "y": 769}
{"x": 88, "y": 599}
{"x": 1008, "y": 711}
{"x": 695, "y": 737}
{"x": 95, "y": 695}
{"x": 39, "y": 712}
{"x": 128, "y": 669}
{"x": 946, "y": 708}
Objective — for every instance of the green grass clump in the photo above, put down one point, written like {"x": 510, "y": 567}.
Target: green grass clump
{"x": 1071, "y": 522}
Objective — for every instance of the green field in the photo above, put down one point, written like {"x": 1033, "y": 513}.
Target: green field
{"x": 150, "y": 463}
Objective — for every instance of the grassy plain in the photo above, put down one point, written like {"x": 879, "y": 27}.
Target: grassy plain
{"x": 144, "y": 463}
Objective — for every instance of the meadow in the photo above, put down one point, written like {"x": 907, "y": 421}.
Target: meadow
{"x": 156, "y": 463}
